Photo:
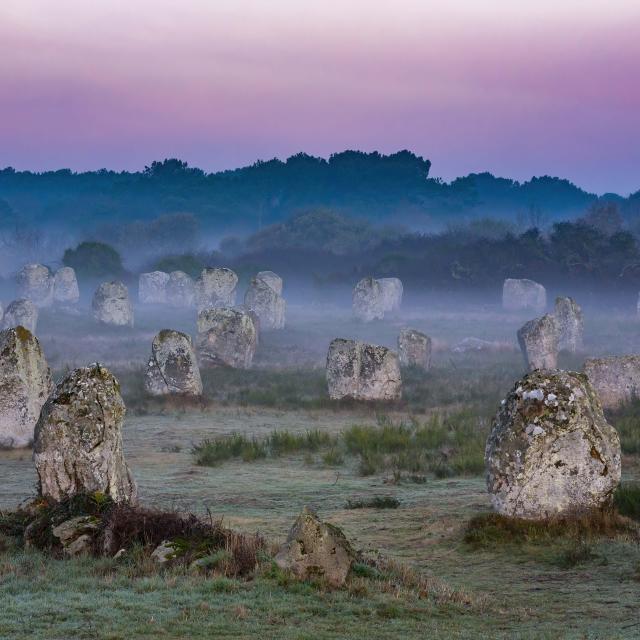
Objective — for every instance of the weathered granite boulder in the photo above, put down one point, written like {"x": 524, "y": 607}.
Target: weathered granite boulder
{"x": 21, "y": 313}
{"x": 369, "y": 302}
{"x": 25, "y": 384}
{"x": 570, "y": 324}
{"x": 362, "y": 371}
{"x": 414, "y": 349}
{"x": 616, "y": 379}
{"x": 521, "y": 294}
{"x": 215, "y": 288}
{"x": 65, "y": 286}
{"x": 551, "y": 452}
{"x": 76, "y": 535}
{"x": 272, "y": 279}
{"x": 172, "y": 367}
{"x": 35, "y": 283}
{"x": 226, "y": 337}
{"x": 152, "y": 287}
{"x": 538, "y": 340}
{"x": 181, "y": 290}
{"x": 316, "y": 549}
{"x": 266, "y": 303}
{"x": 391, "y": 293}
{"x": 111, "y": 304}
{"x": 78, "y": 438}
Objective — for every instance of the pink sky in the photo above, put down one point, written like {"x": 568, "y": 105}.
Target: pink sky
{"x": 519, "y": 88}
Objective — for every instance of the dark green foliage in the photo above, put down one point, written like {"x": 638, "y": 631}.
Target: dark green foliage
{"x": 626, "y": 420}
{"x": 94, "y": 260}
{"x": 190, "y": 263}
{"x": 377, "y": 502}
{"x": 627, "y": 500}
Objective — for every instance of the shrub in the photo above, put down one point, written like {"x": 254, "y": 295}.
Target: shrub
{"x": 627, "y": 500}
{"x": 94, "y": 260}
{"x": 377, "y": 502}
{"x": 187, "y": 262}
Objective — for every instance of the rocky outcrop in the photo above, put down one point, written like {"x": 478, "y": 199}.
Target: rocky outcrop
{"x": 35, "y": 283}
{"x": 21, "y": 313}
{"x": 522, "y": 294}
{"x": 25, "y": 384}
{"x": 369, "y": 302}
{"x": 172, "y": 367}
{"x": 226, "y": 337}
{"x": 78, "y": 438}
{"x": 538, "y": 340}
{"x": 316, "y": 550}
{"x": 215, "y": 288}
{"x": 152, "y": 287}
{"x": 265, "y": 301}
{"x": 111, "y": 304}
{"x": 392, "y": 290}
{"x": 65, "y": 286}
{"x": 362, "y": 371}
{"x": 414, "y": 349}
{"x": 616, "y": 379}
{"x": 551, "y": 452}
{"x": 181, "y": 290}
{"x": 570, "y": 324}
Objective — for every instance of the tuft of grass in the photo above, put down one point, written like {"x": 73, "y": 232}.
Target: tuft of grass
{"x": 211, "y": 452}
{"x": 575, "y": 555}
{"x": 626, "y": 420}
{"x": 627, "y": 500}
{"x": 377, "y": 502}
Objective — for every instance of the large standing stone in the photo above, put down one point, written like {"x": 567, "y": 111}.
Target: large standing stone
{"x": 570, "y": 324}
{"x": 25, "y": 383}
{"x": 78, "y": 438}
{"x": 518, "y": 295}
{"x": 316, "y": 549}
{"x": 266, "y": 303}
{"x": 368, "y": 300}
{"x": 551, "y": 452}
{"x": 35, "y": 283}
{"x": 272, "y": 279}
{"x": 414, "y": 349}
{"x": 226, "y": 337}
{"x": 362, "y": 371}
{"x": 392, "y": 290}
{"x": 152, "y": 287}
{"x": 616, "y": 379}
{"x": 172, "y": 367}
{"x": 21, "y": 313}
{"x": 538, "y": 341}
{"x": 181, "y": 290}
{"x": 216, "y": 288}
{"x": 111, "y": 304}
{"x": 65, "y": 286}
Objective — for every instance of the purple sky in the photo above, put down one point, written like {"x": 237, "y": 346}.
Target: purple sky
{"x": 516, "y": 87}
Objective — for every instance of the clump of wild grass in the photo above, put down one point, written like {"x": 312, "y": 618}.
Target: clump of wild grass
{"x": 377, "y": 502}
{"x": 626, "y": 420}
{"x": 627, "y": 500}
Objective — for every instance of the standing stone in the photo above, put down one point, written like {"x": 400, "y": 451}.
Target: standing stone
{"x": 518, "y": 295}
{"x": 65, "y": 286}
{"x": 392, "y": 290}
{"x": 414, "y": 349}
{"x": 272, "y": 279}
{"x": 215, "y": 288}
{"x": 266, "y": 303}
{"x": 21, "y": 313}
{"x": 538, "y": 341}
{"x": 368, "y": 300}
{"x": 172, "y": 367}
{"x": 362, "y": 371}
{"x": 35, "y": 283}
{"x": 1, "y": 311}
{"x": 226, "y": 337}
{"x": 181, "y": 290}
{"x": 78, "y": 438}
{"x": 111, "y": 304}
{"x": 152, "y": 287}
{"x": 570, "y": 324}
{"x": 616, "y": 379}
{"x": 25, "y": 384}
{"x": 551, "y": 452}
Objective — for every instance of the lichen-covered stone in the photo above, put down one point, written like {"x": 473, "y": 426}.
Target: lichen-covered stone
{"x": 616, "y": 379}
{"x": 570, "y": 324}
{"x": 181, "y": 290}
{"x": 172, "y": 367}
{"x": 316, "y": 549}
{"x": 362, "y": 371}
{"x": 266, "y": 303}
{"x": 65, "y": 286}
{"x": 369, "y": 301}
{"x": 521, "y": 294}
{"x": 414, "y": 349}
{"x": 111, "y": 304}
{"x": 21, "y": 313}
{"x": 25, "y": 384}
{"x": 76, "y": 535}
{"x": 551, "y": 452}
{"x": 538, "y": 340}
{"x": 215, "y": 288}
{"x": 152, "y": 287}
{"x": 35, "y": 283}
{"x": 78, "y": 438}
{"x": 392, "y": 290}
{"x": 226, "y": 337}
